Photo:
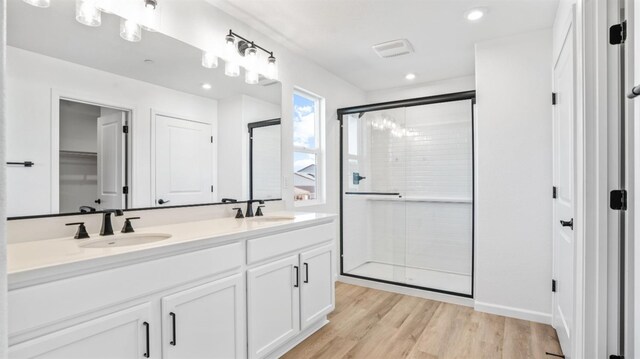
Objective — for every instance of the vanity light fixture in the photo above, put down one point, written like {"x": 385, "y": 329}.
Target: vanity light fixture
{"x": 151, "y": 4}
{"x": 410, "y": 76}
{"x": 87, "y": 13}
{"x": 209, "y": 60}
{"x": 475, "y": 14}
{"x": 251, "y": 76}
{"x": 231, "y": 67}
{"x": 150, "y": 20}
{"x": 130, "y": 30}
{"x": 38, "y": 3}
{"x": 248, "y": 49}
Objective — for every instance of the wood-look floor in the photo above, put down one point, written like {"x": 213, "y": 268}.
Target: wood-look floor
{"x": 371, "y": 324}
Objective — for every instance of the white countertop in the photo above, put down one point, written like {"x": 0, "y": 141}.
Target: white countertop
{"x": 43, "y": 260}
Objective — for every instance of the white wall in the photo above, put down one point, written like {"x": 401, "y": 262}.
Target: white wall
{"x": 234, "y": 114}
{"x": 458, "y": 84}
{"x": 3, "y": 187}
{"x": 514, "y": 178}
{"x": 31, "y": 78}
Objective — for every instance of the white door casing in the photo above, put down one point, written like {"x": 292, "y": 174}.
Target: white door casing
{"x": 564, "y": 246}
{"x": 183, "y": 161}
{"x": 111, "y": 171}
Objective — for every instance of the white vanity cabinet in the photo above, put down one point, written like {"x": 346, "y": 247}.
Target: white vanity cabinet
{"x": 288, "y": 295}
{"x": 205, "y": 321}
{"x": 253, "y": 296}
{"x": 123, "y": 334}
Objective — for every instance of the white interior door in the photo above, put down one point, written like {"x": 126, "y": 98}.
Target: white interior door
{"x": 111, "y": 141}
{"x": 563, "y": 173}
{"x": 183, "y": 164}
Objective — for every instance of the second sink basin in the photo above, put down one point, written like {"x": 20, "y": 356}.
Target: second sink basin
{"x": 123, "y": 240}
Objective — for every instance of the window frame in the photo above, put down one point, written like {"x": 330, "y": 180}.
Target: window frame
{"x": 318, "y": 151}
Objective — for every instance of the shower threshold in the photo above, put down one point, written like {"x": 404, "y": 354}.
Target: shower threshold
{"x": 428, "y": 278}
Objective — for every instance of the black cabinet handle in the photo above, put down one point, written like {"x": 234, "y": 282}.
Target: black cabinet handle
{"x": 567, "y": 223}
{"x": 306, "y": 272}
{"x": 173, "y": 324}
{"x": 297, "y": 276}
{"x": 146, "y": 326}
{"x": 98, "y": 201}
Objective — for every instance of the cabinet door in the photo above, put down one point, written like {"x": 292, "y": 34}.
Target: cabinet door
{"x": 317, "y": 287}
{"x": 124, "y": 334}
{"x": 273, "y": 305}
{"x": 205, "y": 322}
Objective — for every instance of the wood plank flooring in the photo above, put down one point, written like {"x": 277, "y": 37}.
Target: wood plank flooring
{"x": 371, "y": 324}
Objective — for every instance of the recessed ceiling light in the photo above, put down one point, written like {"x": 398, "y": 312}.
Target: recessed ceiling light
{"x": 475, "y": 14}
{"x": 206, "y": 86}
{"x": 410, "y": 76}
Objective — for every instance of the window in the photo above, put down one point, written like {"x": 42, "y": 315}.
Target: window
{"x": 307, "y": 147}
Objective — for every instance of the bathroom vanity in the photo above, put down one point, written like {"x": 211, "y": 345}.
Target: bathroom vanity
{"x": 219, "y": 288}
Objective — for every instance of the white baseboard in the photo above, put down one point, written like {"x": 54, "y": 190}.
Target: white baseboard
{"x": 468, "y": 302}
{"x": 530, "y": 315}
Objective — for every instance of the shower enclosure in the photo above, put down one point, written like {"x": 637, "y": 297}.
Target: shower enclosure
{"x": 407, "y": 192}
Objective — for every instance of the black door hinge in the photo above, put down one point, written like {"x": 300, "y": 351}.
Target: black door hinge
{"x": 618, "y": 200}
{"x": 553, "y": 285}
{"x": 555, "y": 192}
{"x": 618, "y": 33}
{"x": 211, "y": 139}
{"x": 211, "y": 188}
{"x": 614, "y": 356}
{"x": 125, "y": 129}
{"x": 554, "y": 98}
{"x": 125, "y": 190}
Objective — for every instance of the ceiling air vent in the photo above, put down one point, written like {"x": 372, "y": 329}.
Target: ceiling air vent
{"x": 393, "y": 48}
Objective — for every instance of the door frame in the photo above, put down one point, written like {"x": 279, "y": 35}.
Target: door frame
{"x": 251, "y": 126}
{"x": 429, "y": 100}
{"x": 152, "y": 191}
{"x": 131, "y": 111}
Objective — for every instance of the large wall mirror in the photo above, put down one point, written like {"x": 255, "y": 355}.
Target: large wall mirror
{"x": 97, "y": 122}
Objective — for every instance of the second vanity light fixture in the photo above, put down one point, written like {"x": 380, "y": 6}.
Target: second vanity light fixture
{"x": 237, "y": 47}
{"x": 89, "y": 12}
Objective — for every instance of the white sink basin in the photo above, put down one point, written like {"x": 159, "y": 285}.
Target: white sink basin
{"x": 124, "y": 240}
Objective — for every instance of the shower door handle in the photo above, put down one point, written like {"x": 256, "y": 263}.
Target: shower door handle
{"x": 357, "y": 178}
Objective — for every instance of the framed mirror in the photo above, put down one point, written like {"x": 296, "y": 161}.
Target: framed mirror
{"x": 98, "y": 122}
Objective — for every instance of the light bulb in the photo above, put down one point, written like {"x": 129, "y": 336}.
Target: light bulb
{"x": 130, "y": 30}
{"x": 209, "y": 60}
{"x": 231, "y": 67}
{"x": 272, "y": 68}
{"x": 87, "y": 13}
{"x": 38, "y": 3}
{"x": 251, "y": 77}
{"x": 150, "y": 16}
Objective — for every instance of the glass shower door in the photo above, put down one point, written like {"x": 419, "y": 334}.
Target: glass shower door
{"x": 408, "y": 196}
{"x": 374, "y": 179}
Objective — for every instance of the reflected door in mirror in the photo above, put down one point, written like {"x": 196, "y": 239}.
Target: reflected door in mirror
{"x": 111, "y": 161}
{"x": 183, "y": 164}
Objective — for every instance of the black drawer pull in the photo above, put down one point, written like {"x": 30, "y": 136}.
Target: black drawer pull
{"x": 173, "y": 324}
{"x": 146, "y": 326}
{"x": 306, "y": 272}
{"x": 297, "y": 276}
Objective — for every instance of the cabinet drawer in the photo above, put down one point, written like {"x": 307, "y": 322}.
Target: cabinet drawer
{"x": 42, "y": 305}
{"x": 272, "y": 246}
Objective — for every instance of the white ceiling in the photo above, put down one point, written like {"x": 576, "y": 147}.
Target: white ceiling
{"x": 338, "y": 34}
{"x": 55, "y": 32}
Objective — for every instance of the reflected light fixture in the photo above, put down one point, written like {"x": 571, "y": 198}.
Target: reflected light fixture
{"x": 38, "y": 3}
{"x": 150, "y": 16}
{"x": 475, "y": 14}
{"x": 130, "y": 30}
{"x": 231, "y": 66}
{"x": 209, "y": 60}
{"x": 87, "y": 13}
{"x": 206, "y": 86}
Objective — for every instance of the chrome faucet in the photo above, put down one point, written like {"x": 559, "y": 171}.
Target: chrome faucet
{"x": 107, "y": 228}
